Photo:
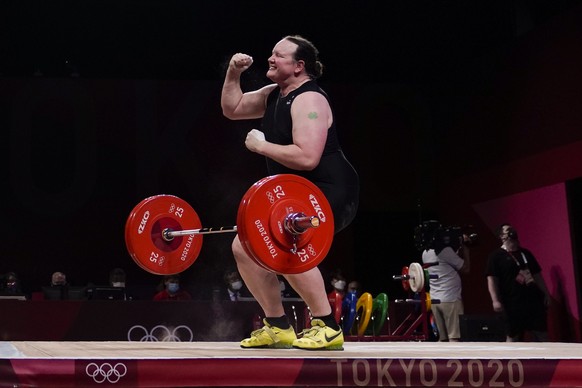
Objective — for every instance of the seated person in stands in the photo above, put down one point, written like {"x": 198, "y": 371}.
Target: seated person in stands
{"x": 59, "y": 282}
{"x": 172, "y": 289}
{"x": 338, "y": 282}
{"x": 10, "y": 286}
{"x": 117, "y": 278}
{"x": 60, "y": 289}
{"x": 115, "y": 290}
{"x": 234, "y": 287}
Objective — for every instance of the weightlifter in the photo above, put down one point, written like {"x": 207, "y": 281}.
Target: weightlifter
{"x": 297, "y": 136}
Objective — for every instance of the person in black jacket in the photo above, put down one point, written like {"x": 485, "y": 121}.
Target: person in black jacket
{"x": 517, "y": 288}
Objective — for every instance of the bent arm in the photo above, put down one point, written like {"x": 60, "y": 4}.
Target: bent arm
{"x": 312, "y": 117}
{"x": 235, "y": 104}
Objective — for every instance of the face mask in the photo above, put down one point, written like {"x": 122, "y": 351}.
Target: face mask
{"x": 236, "y": 285}
{"x": 173, "y": 288}
{"x": 118, "y": 284}
{"x": 339, "y": 285}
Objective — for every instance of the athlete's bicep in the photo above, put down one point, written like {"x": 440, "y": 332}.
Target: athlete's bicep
{"x": 311, "y": 115}
{"x": 253, "y": 104}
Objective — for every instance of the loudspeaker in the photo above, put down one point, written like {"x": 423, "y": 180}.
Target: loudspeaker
{"x": 482, "y": 328}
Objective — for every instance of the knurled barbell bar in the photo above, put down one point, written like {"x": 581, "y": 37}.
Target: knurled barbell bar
{"x": 284, "y": 223}
{"x": 295, "y": 223}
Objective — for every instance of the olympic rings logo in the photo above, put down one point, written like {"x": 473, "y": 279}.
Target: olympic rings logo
{"x": 160, "y": 333}
{"x": 270, "y": 197}
{"x": 311, "y": 250}
{"x": 106, "y": 371}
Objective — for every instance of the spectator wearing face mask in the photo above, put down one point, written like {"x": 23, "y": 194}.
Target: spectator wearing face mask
{"x": 234, "y": 285}
{"x": 337, "y": 293}
{"x": 338, "y": 283}
{"x": 117, "y": 278}
{"x": 172, "y": 290}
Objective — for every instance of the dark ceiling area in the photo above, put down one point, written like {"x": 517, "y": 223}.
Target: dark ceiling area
{"x": 367, "y": 41}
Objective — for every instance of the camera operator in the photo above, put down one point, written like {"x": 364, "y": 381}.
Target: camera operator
{"x": 446, "y": 253}
{"x": 517, "y": 288}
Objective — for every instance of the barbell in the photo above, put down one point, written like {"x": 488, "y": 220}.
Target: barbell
{"x": 284, "y": 223}
{"x": 427, "y": 300}
{"x": 415, "y": 278}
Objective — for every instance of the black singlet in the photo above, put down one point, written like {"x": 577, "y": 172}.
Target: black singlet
{"x": 334, "y": 174}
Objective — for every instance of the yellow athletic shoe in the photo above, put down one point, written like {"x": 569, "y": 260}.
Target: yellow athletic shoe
{"x": 320, "y": 337}
{"x": 270, "y": 337}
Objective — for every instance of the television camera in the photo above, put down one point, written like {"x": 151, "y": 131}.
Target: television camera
{"x": 432, "y": 235}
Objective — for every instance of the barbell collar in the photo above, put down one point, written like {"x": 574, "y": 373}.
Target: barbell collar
{"x": 299, "y": 223}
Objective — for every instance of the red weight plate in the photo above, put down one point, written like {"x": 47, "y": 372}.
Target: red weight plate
{"x": 405, "y": 283}
{"x": 262, "y": 212}
{"x": 241, "y": 216}
{"x": 278, "y": 211}
{"x": 143, "y": 235}
{"x": 128, "y": 234}
{"x": 337, "y": 312}
{"x": 335, "y": 300}
{"x": 242, "y": 231}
